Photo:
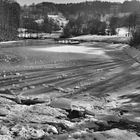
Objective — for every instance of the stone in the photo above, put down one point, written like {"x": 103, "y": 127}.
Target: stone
{"x": 41, "y": 120}
{"x": 52, "y": 129}
{"x": 87, "y": 123}
{"x": 4, "y": 130}
{"x": 78, "y": 134}
{"x": 109, "y": 117}
{"x": 31, "y": 133}
{"x": 3, "y": 111}
{"x": 6, "y": 137}
{"x": 16, "y": 129}
{"x": 49, "y": 111}
{"x": 117, "y": 134}
{"x": 61, "y": 103}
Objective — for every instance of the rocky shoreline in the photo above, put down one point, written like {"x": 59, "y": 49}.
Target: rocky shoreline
{"x": 61, "y": 118}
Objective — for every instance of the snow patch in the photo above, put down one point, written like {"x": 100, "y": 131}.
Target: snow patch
{"x": 73, "y": 49}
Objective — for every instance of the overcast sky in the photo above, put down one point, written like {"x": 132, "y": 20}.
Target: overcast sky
{"x": 22, "y": 2}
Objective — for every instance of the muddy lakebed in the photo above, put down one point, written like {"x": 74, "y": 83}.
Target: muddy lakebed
{"x": 57, "y": 91}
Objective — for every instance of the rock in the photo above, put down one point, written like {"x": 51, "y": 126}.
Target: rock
{"x": 5, "y": 137}
{"x": 18, "y": 74}
{"x": 6, "y": 91}
{"x": 25, "y": 88}
{"x": 31, "y": 101}
{"x": 3, "y": 111}
{"x": 31, "y": 87}
{"x": 49, "y": 111}
{"x": 77, "y": 87}
{"x": 4, "y": 130}
{"x": 87, "y": 123}
{"x": 78, "y": 134}
{"x": 39, "y": 114}
{"x": 40, "y": 119}
{"x": 16, "y": 129}
{"x": 52, "y": 129}
{"x": 61, "y": 103}
{"x": 64, "y": 75}
{"x": 112, "y": 104}
{"x": 89, "y": 108}
{"x": 117, "y": 134}
{"x": 109, "y": 118}
{"x": 18, "y": 100}
{"x": 60, "y": 89}
{"x": 45, "y": 85}
{"x": 114, "y": 134}
{"x": 90, "y": 112}
{"x": 102, "y": 78}
{"x": 31, "y": 133}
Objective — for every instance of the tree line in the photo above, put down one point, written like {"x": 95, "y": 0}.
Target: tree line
{"x": 89, "y": 8}
{"x": 46, "y": 26}
{"x": 84, "y": 17}
{"x": 82, "y": 26}
{"x": 128, "y": 21}
{"x": 9, "y": 19}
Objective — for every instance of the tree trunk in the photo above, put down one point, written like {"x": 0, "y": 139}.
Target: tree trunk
{"x": 138, "y": 22}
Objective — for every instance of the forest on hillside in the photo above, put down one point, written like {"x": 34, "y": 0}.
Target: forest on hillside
{"x": 90, "y": 9}
{"x": 84, "y": 17}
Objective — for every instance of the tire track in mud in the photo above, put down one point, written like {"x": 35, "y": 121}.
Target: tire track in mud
{"x": 108, "y": 84}
{"x": 88, "y": 75}
{"x": 55, "y": 71}
{"x": 41, "y": 77}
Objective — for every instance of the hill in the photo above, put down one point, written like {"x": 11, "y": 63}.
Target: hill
{"x": 85, "y": 17}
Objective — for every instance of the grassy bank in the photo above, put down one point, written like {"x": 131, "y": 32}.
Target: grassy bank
{"x": 107, "y": 39}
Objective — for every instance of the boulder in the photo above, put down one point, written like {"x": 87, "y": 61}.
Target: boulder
{"x": 6, "y": 137}
{"x": 31, "y": 133}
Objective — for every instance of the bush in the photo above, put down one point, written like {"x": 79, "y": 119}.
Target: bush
{"x": 135, "y": 40}
{"x": 8, "y": 34}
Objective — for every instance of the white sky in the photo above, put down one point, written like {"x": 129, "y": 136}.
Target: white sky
{"x": 22, "y": 2}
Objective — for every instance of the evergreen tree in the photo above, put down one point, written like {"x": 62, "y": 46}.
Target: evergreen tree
{"x": 9, "y": 19}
